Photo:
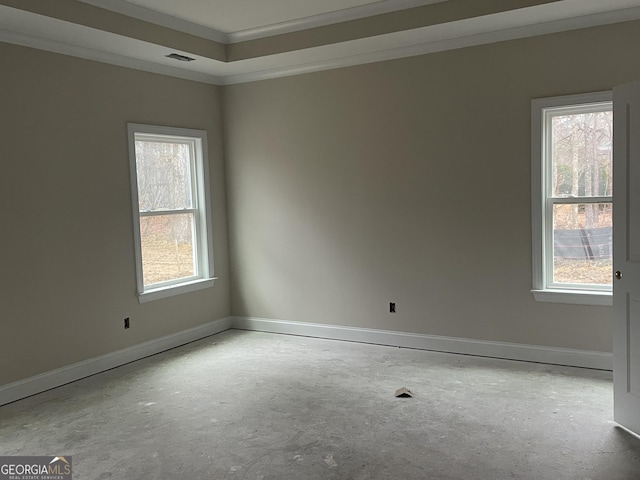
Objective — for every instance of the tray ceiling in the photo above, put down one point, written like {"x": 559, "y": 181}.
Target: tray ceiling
{"x": 235, "y": 41}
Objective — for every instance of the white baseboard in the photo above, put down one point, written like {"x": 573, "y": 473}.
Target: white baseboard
{"x": 483, "y": 348}
{"x": 512, "y": 351}
{"x": 55, "y": 378}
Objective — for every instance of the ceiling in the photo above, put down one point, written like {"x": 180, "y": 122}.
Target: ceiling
{"x": 235, "y": 41}
{"x": 232, "y": 16}
{"x": 239, "y": 20}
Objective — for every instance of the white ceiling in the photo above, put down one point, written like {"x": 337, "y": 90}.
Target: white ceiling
{"x": 220, "y": 20}
{"x": 230, "y": 21}
{"x": 229, "y": 16}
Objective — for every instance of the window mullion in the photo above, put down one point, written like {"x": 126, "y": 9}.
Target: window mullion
{"x": 580, "y": 200}
{"x": 154, "y": 213}
{"x": 172, "y": 245}
{"x": 555, "y": 150}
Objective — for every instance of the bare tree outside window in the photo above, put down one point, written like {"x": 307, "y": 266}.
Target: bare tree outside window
{"x": 582, "y": 185}
{"x": 172, "y": 228}
{"x": 165, "y": 191}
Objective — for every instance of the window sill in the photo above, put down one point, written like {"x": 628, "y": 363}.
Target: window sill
{"x": 172, "y": 290}
{"x": 574, "y": 297}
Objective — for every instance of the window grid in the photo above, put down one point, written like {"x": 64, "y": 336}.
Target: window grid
{"x": 191, "y": 215}
{"x": 546, "y": 201}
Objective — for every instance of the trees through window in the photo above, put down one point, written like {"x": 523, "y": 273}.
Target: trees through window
{"x": 171, "y": 220}
{"x": 572, "y": 188}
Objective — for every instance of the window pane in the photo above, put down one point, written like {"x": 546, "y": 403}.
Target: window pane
{"x": 582, "y": 249}
{"x": 164, "y": 175}
{"x": 167, "y": 247}
{"x": 582, "y": 154}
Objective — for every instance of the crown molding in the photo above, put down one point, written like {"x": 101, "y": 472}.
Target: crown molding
{"x": 147, "y": 15}
{"x": 46, "y": 33}
{"x": 106, "y": 57}
{"x": 321, "y": 20}
{"x": 435, "y": 45}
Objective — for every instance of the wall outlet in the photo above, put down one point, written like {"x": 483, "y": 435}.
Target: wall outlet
{"x": 126, "y": 323}
{"x": 392, "y": 307}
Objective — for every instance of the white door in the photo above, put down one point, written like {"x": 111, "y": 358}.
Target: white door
{"x": 626, "y": 261}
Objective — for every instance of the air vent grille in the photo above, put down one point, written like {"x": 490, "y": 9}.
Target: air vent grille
{"x": 182, "y": 58}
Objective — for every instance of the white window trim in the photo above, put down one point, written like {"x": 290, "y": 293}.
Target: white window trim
{"x": 541, "y": 292}
{"x": 204, "y": 277}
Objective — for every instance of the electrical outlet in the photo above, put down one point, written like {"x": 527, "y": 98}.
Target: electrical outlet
{"x": 126, "y": 323}
{"x": 392, "y": 307}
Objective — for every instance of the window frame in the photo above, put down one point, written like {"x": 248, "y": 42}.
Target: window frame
{"x": 200, "y": 208}
{"x": 542, "y": 204}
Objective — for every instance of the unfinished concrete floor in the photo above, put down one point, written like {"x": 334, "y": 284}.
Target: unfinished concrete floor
{"x": 248, "y": 405}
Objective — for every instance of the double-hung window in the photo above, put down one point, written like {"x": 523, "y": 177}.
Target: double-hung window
{"x": 572, "y": 189}
{"x": 172, "y": 222}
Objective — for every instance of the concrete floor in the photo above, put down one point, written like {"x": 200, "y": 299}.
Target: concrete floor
{"x": 248, "y": 405}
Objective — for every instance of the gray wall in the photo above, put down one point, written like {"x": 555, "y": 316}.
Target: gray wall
{"x": 408, "y": 181}
{"x": 348, "y": 189}
{"x": 67, "y": 277}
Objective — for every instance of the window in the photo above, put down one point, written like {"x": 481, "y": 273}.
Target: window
{"x": 572, "y": 188}
{"x": 172, "y": 226}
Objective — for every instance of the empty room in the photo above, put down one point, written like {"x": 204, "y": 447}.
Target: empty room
{"x": 294, "y": 239}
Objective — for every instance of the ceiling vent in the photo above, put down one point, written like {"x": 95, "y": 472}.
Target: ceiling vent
{"x": 182, "y": 58}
